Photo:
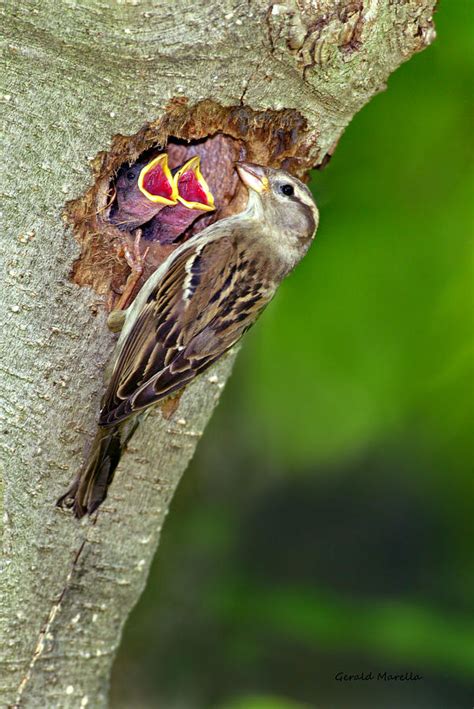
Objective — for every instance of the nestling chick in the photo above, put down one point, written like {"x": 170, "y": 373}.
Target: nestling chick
{"x": 193, "y": 309}
{"x": 142, "y": 191}
{"x": 194, "y": 198}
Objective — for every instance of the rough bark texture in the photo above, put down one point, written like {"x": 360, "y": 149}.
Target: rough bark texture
{"x": 78, "y": 73}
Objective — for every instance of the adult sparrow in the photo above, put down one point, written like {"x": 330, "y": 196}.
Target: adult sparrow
{"x": 193, "y": 309}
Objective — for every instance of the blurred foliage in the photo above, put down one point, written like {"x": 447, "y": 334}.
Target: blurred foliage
{"x": 326, "y": 523}
{"x": 263, "y": 703}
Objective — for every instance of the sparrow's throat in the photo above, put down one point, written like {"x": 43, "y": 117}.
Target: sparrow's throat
{"x": 156, "y": 183}
{"x": 190, "y": 189}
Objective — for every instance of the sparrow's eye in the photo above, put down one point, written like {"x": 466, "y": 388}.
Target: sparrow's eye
{"x": 131, "y": 175}
{"x": 287, "y": 189}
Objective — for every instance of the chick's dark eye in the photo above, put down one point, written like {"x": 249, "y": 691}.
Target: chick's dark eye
{"x": 288, "y": 190}
{"x": 131, "y": 175}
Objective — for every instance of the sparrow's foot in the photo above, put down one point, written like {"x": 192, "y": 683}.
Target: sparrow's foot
{"x": 66, "y": 501}
{"x": 135, "y": 260}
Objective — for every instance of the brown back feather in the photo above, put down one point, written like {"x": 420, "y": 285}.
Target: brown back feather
{"x": 201, "y": 307}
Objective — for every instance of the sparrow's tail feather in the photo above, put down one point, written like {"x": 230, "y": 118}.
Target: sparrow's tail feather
{"x": 89, "y": 489}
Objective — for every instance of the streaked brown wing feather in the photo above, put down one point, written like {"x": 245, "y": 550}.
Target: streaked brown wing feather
{"x": 198, "y": 310}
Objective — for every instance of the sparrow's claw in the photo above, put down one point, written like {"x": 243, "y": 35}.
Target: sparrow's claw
{"x": 135, "y": 260}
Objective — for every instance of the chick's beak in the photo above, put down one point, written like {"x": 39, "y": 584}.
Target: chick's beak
{"x": 156, "y": 181}
{"x": 192, "y": 189}
{"x": 253, "y": 176}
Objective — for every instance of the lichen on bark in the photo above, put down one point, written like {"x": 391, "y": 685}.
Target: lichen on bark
{"x": 77, "y": 74}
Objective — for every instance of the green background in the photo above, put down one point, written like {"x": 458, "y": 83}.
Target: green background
{"x": 326, "y": 523}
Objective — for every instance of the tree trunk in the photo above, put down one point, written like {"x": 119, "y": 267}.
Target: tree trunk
{"x": 284, "y": 79}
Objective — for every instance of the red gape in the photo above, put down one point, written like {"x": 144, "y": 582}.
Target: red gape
{"x": 156, "y": 183}
{"x": 190, "y": 188}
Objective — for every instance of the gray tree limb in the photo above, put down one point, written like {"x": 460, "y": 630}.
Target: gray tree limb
{"x": 76, "y": 74}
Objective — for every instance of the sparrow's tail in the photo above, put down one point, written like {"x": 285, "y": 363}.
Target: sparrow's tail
{"x": 89, "y": 489}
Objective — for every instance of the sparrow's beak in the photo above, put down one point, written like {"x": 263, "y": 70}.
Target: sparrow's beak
{"x": 156, "y": 181}
{"x": 253, "y": 176}
{"x": 192, "y": 189}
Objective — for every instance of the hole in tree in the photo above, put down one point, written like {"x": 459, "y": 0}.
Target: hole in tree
{"x": 162, "y": 231}
{"x": 219, "y": 136}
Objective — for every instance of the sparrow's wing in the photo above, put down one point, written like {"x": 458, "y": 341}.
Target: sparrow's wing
{"x": 208, "y": 297}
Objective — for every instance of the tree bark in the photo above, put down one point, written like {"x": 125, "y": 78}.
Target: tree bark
{"x": 77, "y": 74}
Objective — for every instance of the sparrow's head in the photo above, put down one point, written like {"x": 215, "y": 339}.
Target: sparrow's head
{"x": 283, "y": 202}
